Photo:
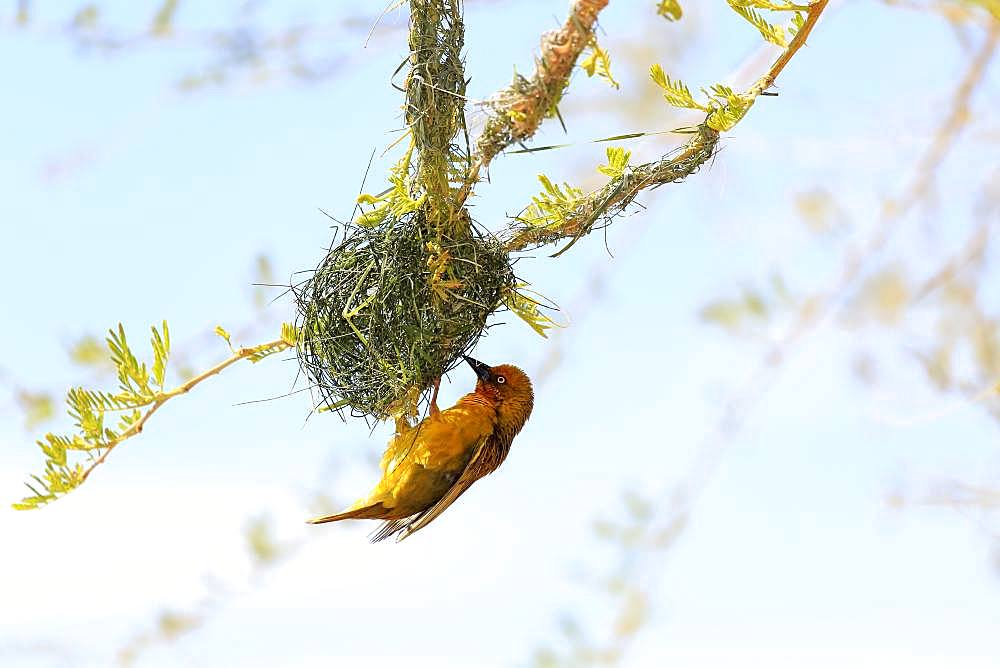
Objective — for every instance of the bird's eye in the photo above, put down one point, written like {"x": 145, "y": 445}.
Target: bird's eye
{"x": 501, "y": 380}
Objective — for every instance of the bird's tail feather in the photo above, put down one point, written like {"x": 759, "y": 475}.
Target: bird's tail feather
{"x": 375, "y": 511}
{"x": 390, "y": 528}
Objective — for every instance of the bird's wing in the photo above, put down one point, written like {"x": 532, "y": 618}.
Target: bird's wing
{"x": 473, "y": 471}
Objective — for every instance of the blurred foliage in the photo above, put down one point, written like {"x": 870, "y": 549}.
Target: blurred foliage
{"x": 238, "y": 50}
{"x": 38, "y": 407}
{"x": 635, "y": 530}
{"x": 752, "y": 311}
{"x": 264, "y": 547}
{"x": 265, "y": 552}
{"x": 947, "y": 322}
{"x": 263, "y": 280}
{"x": 163, "y": 20}
{"x": 88, "y": 351}
{"x": 820, "y": 212}
{"x": 956, "y": 11}
{"x": 170, "y": 626}
{"x": 670, "y": 10}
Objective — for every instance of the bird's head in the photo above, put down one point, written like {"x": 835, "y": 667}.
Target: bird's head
{"x": 509, "y": 389}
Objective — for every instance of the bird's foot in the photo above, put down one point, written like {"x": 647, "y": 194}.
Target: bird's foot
{"x": 434, "y": 397}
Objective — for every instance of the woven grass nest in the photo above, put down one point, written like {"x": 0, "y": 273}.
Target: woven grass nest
{"x": 391, "y": 308}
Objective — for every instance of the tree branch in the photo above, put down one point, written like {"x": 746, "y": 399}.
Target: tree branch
{"x": 766, "y": 81}
{"x": 612, "y": 200}
{"x": 520, "y": 108}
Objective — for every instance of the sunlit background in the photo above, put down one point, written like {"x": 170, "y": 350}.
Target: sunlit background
{"x": 767, "y": 436}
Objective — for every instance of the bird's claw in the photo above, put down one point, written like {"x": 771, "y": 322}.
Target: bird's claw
{"x": 434, "y": 397}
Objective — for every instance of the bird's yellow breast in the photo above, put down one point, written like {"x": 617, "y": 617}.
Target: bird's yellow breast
{"x": 421, "y": 464}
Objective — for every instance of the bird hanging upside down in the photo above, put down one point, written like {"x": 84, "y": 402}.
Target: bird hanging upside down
{"x": 427, "y": 466}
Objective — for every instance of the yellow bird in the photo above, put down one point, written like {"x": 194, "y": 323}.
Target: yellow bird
{"x": 427, "y": 466}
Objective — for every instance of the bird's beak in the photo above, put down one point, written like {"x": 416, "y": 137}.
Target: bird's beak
{"x": 482, "y": 370}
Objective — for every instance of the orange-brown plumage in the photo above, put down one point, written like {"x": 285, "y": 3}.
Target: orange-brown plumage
{"x": 427, "y": 466}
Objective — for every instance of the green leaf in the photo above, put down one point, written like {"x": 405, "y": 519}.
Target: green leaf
{"x": 528, "y": 309}
{"x": 798, "y": 20}
{"x": 396, "y": 200}
{"x": 38, "y": 407}
{"x": 163, "y": 21}
{"x": 86, "y": 18}
{"x": 289, "y": 333}
{"x": 88, "y": 409}
{"x": 617, "y": 162}
{"x": 598, "y": 61}
{"x": 771, "y": 33}
{"x": 670, "y": 10}
{"x": 220, "y": 331}
{"x": 88, "y": 351}
{"x": 161, "y": 353}
{"x": 553, "y": 204}
{"x": 675, "y": 92}
{"x": 774, "y": 5}
{"x": 729, "y": 107}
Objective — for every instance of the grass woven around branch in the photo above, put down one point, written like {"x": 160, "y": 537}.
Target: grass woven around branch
{"x": 378, "y": 325}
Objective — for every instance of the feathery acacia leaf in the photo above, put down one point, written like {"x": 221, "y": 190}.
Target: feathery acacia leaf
{"x": 528, "y": 309}
{"x": 398, "y": 199}
{"x": 598, "y": 62}
{"x": 730, "y": 107}
{"x": 798, "y": 20}
{"x": 670, "y": 10}
{"x": 617, "y": 162}
{"x": 675, "y": 92}
{"x": 221, "y": 332}
{"x": 553, "y": 204}
{"x": 725, "y": 107}
{"x": 771, "y": 33}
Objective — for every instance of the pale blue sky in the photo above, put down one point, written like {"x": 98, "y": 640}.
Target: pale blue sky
{"x": 792, "y": 556}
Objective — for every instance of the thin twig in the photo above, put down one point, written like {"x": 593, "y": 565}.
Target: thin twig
{"x": 766, "y": 81}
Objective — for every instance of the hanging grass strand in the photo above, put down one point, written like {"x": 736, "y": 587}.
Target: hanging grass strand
{"x": 435, "y": 105}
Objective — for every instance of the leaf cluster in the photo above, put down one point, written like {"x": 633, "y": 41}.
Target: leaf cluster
{"x": 553, "y": 204}
{"x": 139, "y": 386}
{"x": 598, "y": 62}
{"x": 556, "y": 204}
{"x": 750, "y": 10}
{"x": 724, "y": 106}
{"x": 565, "y": 212}
{"x": 670, "y": 10}
{"x": 527, "y": 308}
{"x": 396, "y": 201}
